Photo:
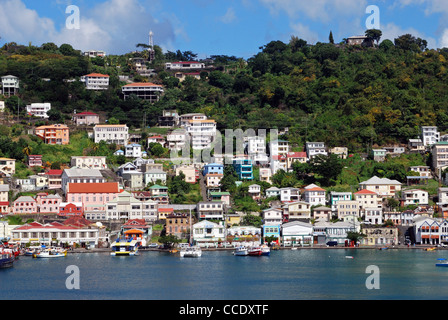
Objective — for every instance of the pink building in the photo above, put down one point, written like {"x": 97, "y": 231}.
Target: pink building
{"x": 25, "y": 205}
{"x": 48, "y": 203}
{"x": 93, "y": 196}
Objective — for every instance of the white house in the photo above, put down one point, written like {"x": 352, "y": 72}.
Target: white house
{"x": 152, "y": 176}
{"x": 414, "y": 197}
{"x": 145, "y": 90}
{"x": 272, "y": 216}
{"x": 39, "y": 109}
{"x": 289, "y": 194}
{"x": 88, "y": 162}
{"x": 256, "y": 149}
{"x": 118, "y": 134}
{"x": 272, "y": 192}
{"x": 373, "y": 215}
{"x": 208, "y": 232}
{"x": 278, "y": 147}
{"x": 430, "y": 135}
{"x": 126, "y": 206}
{"x": 97, "y": 81}
{"x": 11, "y": 85}
{"x": 255, "y": 191}
{"x": 385, "y": 188}
{"x": 314, "y": 195}
{"x": 133, "y": 151}
{"x": 184, "y": 65}
{"x": 315, "y": 148}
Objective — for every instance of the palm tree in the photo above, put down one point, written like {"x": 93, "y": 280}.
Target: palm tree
{"x": 27, "y": 150}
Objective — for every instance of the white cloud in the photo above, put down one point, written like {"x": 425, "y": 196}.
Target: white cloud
{"x": 115, "y": 26}
{"x": 304, "y": 32}
{"x": 229, "y": 17}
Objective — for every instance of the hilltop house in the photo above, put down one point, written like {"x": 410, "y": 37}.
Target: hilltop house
{"x": 385, "y": 188}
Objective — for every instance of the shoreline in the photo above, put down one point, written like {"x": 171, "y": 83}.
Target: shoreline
{"x": 107, "y": 250}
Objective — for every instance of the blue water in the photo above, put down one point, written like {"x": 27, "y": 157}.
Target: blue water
{"x": 285, "y": 275}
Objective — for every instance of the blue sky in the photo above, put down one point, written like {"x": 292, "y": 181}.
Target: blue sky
{"x": 212, "y": 27}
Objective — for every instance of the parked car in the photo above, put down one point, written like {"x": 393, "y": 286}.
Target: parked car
{"x": 153, "y": 245}
{"x": 332, "y": 244}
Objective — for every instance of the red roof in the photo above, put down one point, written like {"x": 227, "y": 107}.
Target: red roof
{"x": 97, "y": 75}
{"x": 143, "y": 84}
{"x": 166, "y": 209}
{"x": 106, "y": 187}
{"x": 54, "y": 172}
{"x": 296, "y": 155}
{"x": 314, "y": 189}
{"x": 365, "y": 191}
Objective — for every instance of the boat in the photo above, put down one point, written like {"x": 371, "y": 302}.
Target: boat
{"x": 125, "y": 247}
{"x": 442, "y": 263}
{"x": 254, "y": 251}
{"x": 7, "y": 258}
{"x": 265, "y": 250}
{"x": 430, "y": 249}
{"x": 31, "y": 251}
{"x": 190, "y": 252}
{"x": 241, "y": 251}
{"x": 384, "y": 248}
{"x": 50, "y": 253}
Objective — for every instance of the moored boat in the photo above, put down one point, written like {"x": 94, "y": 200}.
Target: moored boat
{"x": 125, "y": 247}
{"x": 190, "y": 252}
{"x": 430, "y": 249}
{"x": 265, "y": 250}
{"x": 50, "y": 253}
{"x": 7, "y": 258}
{"x": 442, "y": 263}
{"x": 254, "y": 251}
{"x": 241, "y": 251}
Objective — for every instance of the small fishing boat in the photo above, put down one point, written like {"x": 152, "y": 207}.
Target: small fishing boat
{"x": 442, "y": 263}
{"x": 265, "y": 250}
{"x": 125, "y": 247}
{"x": 384, "y": 248}
{"x": 254, "y": 251}
{"x": 31, "y": 251}
{"x": 430, "y": 249}
{"x": 7, "y": 258}
{"x": 190, "y": 252}
{"x": 50, "y": 253}
{"x": 241, "y": 251}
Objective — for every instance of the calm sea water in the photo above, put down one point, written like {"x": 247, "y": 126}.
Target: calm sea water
{"x": 285, "y": 275}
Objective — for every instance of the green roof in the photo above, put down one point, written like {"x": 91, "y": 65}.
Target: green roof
{"x": 158, "y": 187}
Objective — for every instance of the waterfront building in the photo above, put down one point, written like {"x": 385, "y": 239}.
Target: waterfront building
{"x": 297, "y": 233}
{"x": 70, "y": 232}
{"x": 178, "y": 224}
{"x": 379, "y": 236}
{"x": 273, "y": 232}
{"x": 208, "y": 233}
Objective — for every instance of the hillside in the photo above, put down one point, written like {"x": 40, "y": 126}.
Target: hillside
{"x": 342, "y": 95}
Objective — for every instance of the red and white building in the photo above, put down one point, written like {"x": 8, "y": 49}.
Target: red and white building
{"x": 48, "y": 203}
{"x": 71, "y": 209}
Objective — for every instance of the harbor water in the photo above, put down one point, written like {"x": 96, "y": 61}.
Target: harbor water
{"x": 309, "y": 274}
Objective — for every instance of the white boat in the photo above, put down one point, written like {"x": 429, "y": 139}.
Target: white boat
{"x": 50, "y": 253}
{"x": 265, "y": 250}
{"x": 190, "y": 252}
{"x": 125, "y": 247}
{"x": 241, "y": 251}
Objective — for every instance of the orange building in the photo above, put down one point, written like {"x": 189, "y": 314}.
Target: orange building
{"x": 53, "y": 134}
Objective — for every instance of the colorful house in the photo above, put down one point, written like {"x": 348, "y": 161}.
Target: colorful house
{"x": 25, "y": 205}
{"x": 244, "y": 169}
{"x": 70, "y": 209}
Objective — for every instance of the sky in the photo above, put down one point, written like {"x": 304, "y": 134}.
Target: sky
{"x": 214, "y": 27}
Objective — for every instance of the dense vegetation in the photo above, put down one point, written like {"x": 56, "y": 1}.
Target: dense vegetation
{"x": 342, "y": 95}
